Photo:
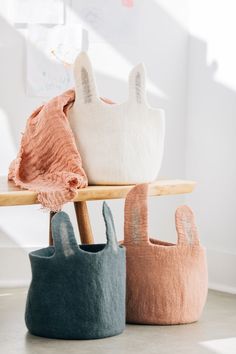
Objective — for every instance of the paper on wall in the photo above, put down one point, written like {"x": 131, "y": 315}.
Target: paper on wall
{"x": 109, "y": 19}
{"x": 38, "y": 11}
{"x": 50, "y": 54}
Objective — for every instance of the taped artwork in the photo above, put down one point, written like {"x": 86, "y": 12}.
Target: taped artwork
{"x": 38, "y": 12}
{"x": 50, "y": 54}
{"x": 113, "y": 21}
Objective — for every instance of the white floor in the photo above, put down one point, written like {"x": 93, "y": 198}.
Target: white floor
{"x": 214, "y": 333}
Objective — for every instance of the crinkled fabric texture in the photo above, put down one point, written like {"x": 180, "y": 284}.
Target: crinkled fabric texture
{"x": 48, "y": 161}
{"x": 166, "y": 283}
{"x": 77, "y": 292}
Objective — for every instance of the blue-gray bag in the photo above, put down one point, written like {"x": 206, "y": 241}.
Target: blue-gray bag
{"x": 77, "y": 291}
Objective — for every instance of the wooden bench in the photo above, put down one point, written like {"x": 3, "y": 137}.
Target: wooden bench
{"x": 10, "y": 195}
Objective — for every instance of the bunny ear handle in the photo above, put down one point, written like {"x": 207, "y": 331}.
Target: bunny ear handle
{"x": 136, "y": 215}
{"x": 63, "y": 235}
{"x": 137, "y": 84}
{"x": 85, "y": 84}
{"x": 110, "y": 226}
{"x": 185, "y": 226}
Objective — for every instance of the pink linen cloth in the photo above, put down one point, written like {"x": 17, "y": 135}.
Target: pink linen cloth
{"x": 48, "y": 161}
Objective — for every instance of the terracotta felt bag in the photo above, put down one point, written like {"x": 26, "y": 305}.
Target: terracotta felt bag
{"x": 166, "y": 282}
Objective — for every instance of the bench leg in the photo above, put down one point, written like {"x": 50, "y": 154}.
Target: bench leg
{"x": 50, "y": 231}
{"x": 85, "y": 230}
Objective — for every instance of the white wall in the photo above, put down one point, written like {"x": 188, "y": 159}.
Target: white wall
{"x": 211, "y": 143}
{"x": 192, "y": 76}
{"x": 162, "y": 45}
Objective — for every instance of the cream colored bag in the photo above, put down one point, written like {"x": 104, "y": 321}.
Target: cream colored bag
{"x": 119, "y": 143}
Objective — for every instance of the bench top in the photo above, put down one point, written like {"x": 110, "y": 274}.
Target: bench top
{"x": 11, "y": 195}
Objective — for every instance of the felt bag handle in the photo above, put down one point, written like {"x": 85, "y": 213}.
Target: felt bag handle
{"x": 110, "y": 227}
{"x": 63, "y": 233}
{"x": 85, "y": 84}
{"x": 136, "y": 215}
{"x": 186, "y": 227}
{"x": 137, "y": 85}
{"x": 86, "y": 87}
{"x": 136, "y": 219}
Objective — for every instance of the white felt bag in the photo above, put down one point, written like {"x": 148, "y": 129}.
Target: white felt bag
{"x": 119, "y": 143}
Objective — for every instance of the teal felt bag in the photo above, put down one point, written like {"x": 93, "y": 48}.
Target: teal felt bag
{"x": 77, "y": 291}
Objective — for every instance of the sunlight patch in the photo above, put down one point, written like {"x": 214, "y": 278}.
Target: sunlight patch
{"x": 221, "y": 346}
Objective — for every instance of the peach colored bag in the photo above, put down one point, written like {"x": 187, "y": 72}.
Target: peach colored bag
{"x": 166, "y": 282}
